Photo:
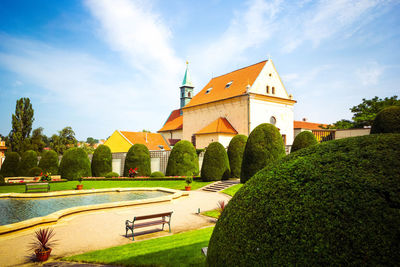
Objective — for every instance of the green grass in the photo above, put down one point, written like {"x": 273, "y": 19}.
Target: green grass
{"x": 71, "y": 185}
{"x": 232, "y": 190}
{"x": 182, "y": 249}
{"x": 212, "y": 213}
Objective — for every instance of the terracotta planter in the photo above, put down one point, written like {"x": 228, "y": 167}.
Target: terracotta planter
{"x": 42, "y": 255}
{"x": 187, "y": 188}
{"x": 79, "y": 186}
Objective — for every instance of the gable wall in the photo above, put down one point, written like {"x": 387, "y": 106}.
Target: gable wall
{"x": 117, "y": 143}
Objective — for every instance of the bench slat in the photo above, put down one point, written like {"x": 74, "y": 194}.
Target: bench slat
{"x": 145, "y": 217}
{"x": 141, "y": 225}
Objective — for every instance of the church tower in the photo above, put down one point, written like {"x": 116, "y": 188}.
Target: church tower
{"x": 186, "y": 88}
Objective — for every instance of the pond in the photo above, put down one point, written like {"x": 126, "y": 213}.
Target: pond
{"x": 14, "y": 210}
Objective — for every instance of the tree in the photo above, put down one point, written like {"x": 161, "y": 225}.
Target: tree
{"x": 37, "y": 143}
{"x": 21, "y": 125}
{"x": 342, "y": 124}
{"x": 183, "y": 160}
{"x": 235, "y": 154}
{"x": 101, "y": 161}
{"x": 75, "y": 164}
{"x": 64, "y": 140}
{"x": 387, "y": 121}
{"x": 91, "y": 141}
{"x": 49, "y": 162}
{"x": 138, "y": 156}
{"x": 28, "y": 161}
{"x": 215, "y": 165}
{"x": 303, "y": 140}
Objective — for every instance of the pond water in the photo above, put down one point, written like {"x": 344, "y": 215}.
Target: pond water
{"x": 14, "y": 210}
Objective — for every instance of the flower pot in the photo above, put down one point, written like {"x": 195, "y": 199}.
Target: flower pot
{"x": 79, "y": 186}
{"x": 42, "y": 255}
{"x": 188, "y": 187}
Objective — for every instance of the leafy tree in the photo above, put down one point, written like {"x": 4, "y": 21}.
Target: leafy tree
{"x": 387, "y": 121}
{"x": 75, "y": 164}
{"x": 10, "y": 165}
{"x": 28, "y": 161}
{"x": 49, "y": 162}
{"x": 215, "y": 165}
{"x": 183, "y": 160}
{"x": 235, "y": 154}
{"x": 101, "y": 161}
{"x": 342, "y": 124}
{"x": 138, "y": 156}
{"x": 303, "y": 140}
{"x": 37, "y": 143}
{"x": 64, "y": 140}
{"x": 91, "y": 141}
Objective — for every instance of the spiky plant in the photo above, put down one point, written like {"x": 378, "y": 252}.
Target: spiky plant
{"x": 43, "y": 239}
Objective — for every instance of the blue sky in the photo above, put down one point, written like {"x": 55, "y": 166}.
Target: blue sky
{"x": 101, "y": 65}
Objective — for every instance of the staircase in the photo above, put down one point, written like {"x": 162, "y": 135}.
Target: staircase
{"x": 220, "y": 185}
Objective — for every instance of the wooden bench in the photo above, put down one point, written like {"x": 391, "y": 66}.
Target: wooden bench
{"x": 37, "y": 187}
{"x": 161, "y": 219}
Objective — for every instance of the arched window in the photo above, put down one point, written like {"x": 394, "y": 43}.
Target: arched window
{"x": 272, "y": 120}
{"x": 273, "y": 90}
{"x": 267, "y": 89}
{"x": 189, "y": 95}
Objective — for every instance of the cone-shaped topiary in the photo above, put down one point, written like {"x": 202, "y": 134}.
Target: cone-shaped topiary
{"x": 215, "y": 163}
{"x": 303, "y": 140}
{"x": 264, "y": 146}
{"x": 333, "y": 204}
{"x": 183, "y": 160}
{"x": 138, "y": 156}
{"x": 10, "y": 165}
{"x": 49, "y": 162}
{"x": 387, "y": 121}
{"x": 29, "y": 160}
{"x": 101, "y": 161}
{"x": 235, "y": 154}
{"x": 35, "y": 171}
{"x": 75, "y": 164}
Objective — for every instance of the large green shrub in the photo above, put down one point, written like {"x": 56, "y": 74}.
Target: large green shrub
{"x": 387, "y": 121}
{"x": 101, "y": 161}
{"x": 235, "y": 154}
{"x": 10, "y": 165}
{"x": 138, "y": 156}
{"x": 29, "y": 160}
{"x": 157, "y": 174}
{"x": 35, "y": 171}
{"x": 75, "y": 164}
{"x": 215, "y": 163}
{"x": 335, "y": 204}
{"x": 264, "y": 146}
{"x": 49, "y": 162}
{"x": 183, "y": 160}
{"x": 111, "y": 175}
{"x": 303, "y": 140}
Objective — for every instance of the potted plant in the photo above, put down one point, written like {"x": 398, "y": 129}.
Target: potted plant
{"x": 80, "y": 185}
{"x": 188, "y": 181}
{"x": 42, "y": 243}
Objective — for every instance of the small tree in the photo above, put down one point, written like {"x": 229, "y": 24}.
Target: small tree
{"x": 75, "y": 164}
{"x": 183, "y": 160}
{"x": 101, "y": 161}
{"x": 28, "y": 161}
{"x": 138, "y": 156}
{"x": 215, "y": 163}
{"x": 10, "y": 165}
{"x": 235, "y": 154}
{"x": 49, "y": 162}
{"x": 302, "y": 140}
{"x": 387, "y": 121}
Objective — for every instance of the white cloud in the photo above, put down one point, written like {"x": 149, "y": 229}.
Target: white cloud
{"x": 370, "y": 73}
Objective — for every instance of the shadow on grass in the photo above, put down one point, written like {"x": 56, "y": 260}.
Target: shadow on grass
{"x": 144, "y": 232}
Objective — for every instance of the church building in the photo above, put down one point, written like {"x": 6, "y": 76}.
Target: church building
{"x": 231, "y": 104}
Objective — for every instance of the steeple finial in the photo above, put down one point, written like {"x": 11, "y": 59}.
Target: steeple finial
{"x": 186, "y": 79}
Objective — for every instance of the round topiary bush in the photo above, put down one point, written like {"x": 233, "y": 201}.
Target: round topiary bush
{"x": 111, "y": 175}
{"x": 157, "y": 174}
{"x": 264, "y": 146}
{"x": 387, "y": 121}
{"x": 138, "y": 156}
{"x": 335, "y": 204}
{"x": 183, "y": 160}
{"x": 215, "y": 163}
{"x": 29, "y": 160}
{"x": 49, "y": 162}
{"x": 101, "y": 161}
{"x": 235, "y": 154}
{"x": 10, "y": 165}
{"x": 75, "y": 164}
{"x": 303, "y": 140}
{"x": 35, "y": 171}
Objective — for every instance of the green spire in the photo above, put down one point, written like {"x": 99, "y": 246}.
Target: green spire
{"x": 186, "y": 80}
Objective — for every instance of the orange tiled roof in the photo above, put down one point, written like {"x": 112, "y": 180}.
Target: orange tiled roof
{"x": 153, "y": 139}
{"x": 220, "y": 125}
{"x": 308, "y": 125}
{"x": 174, "y": 121}
{"x": 240, "y": 79}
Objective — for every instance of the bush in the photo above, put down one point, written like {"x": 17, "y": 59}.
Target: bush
{"x": 111, "y": 175}
{"x": 157, "y": 174}
{"x": 303, "y": 140}
{"x": 264, "y": 146}
{"x": 101, "y": 161}
{"x": 199, "y": 151}
{"x": 335, "y": 204}
{"x": 75, "y": 164}
{"x": 49, "y": 162}
{"x": 215, "y": 163}
{"x": 2, "y": 181}
{"x": 387, "y": 121}
{"x": 138, "y": 156}
{"x": 29, "y": 160}
{"x": 10, "y": 165}
{"x": 183, "y": 160}
{"x": 235, "y": 154}
{"x": 35, "y": 171}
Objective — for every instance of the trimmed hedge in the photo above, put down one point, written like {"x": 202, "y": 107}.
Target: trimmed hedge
{"x": 138, "y": 156}
{"x": 29, "y": 160}
{"x": 264, "y": 146}
{"x": 303, "y": 140}
{"x": 335, "y": 204}
{"x": 111, "y": 175}
{"x": 75, "y": 164}
{"x": 10, "y": 165}
{"x": 235, "y": 154}
{"x": 101, "y": 161}
{"x": 183, "y": 160}
{"x": 35, "y": 171}
{"x": 215, "y": 163}
{"x": 387, "y": 121}
{"x": 49, "y": 162}
{"x": 157, "y": 174}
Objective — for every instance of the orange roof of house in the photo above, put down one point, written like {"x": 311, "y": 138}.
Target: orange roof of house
{"x": 308, "y": 125}
{"x": 174, "y": 121}
{"x": 220, "y": 125}
{"x": 153, "y": 139}
{"x": 240, "y": 79}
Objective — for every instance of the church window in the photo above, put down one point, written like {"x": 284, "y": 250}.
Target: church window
{"x": 183, "y": 94}
{"x": 189, "y": 95}
{"x": 208, "y": 90}
{"x": 267, "y": 89}
{"x": 273, "y": 90}
{"x": 272, "y": 120}
{"x": 284, "y": 139}
{"x": 270, "y": 75}
{"x": 228, "y": 84}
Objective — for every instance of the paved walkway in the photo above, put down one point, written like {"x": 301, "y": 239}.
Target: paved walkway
{"x": 106, "y": 228}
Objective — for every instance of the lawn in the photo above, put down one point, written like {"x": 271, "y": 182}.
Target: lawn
{"x": 71, "y": 185}
{"x": 182, "y": 249}
{"x": 232, "y": 190}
